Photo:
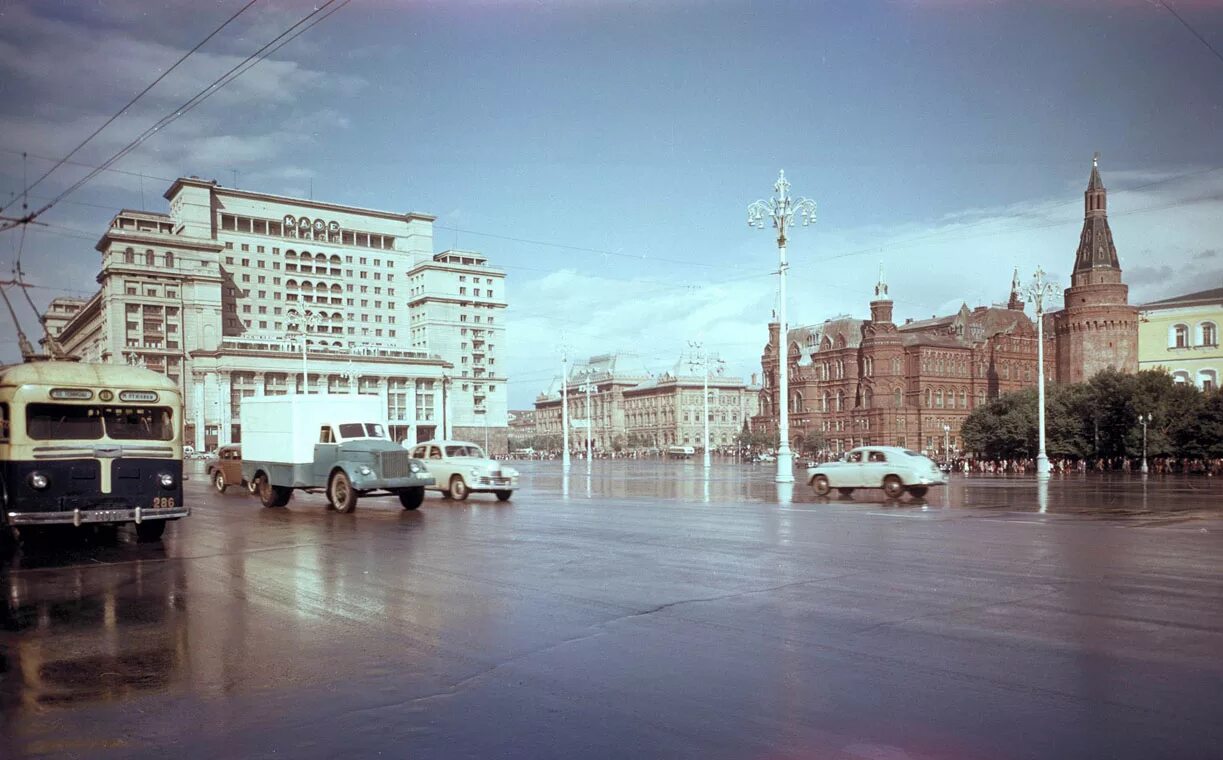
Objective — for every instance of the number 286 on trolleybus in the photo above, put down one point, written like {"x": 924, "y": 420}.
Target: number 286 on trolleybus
{"x": 90, "y": 443}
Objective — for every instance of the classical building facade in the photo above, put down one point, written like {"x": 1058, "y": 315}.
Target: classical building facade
{"x": 1097, "y": 328}
{"x": 870, "y": 381}
{"x": 1181, "y": 335}
{"x": 235, "y": 293}
{"x": 628, "y": 406}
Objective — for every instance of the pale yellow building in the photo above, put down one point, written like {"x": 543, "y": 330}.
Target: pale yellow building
{"x": 1181, "y": 334}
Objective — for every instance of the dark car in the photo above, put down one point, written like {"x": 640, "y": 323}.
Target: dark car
{"x": 226, "y": 469}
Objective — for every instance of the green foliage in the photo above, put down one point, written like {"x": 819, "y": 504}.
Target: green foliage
{"x": 812, "y": 442}
{"x": 757, "y": 440}
{"x": 1100, "y": 419}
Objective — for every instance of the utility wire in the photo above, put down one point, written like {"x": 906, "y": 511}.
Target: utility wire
{"x": 137, "y": 97}
{"x": 215, "y": 86}
{"x": 1192, "y": 31}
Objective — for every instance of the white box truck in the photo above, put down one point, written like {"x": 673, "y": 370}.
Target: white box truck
{"x": 334, "y": 444}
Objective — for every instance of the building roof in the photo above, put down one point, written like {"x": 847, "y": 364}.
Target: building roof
{"x": 1202, "y": 297}
{"x": 305, "y": 202}
{"x": 84, "y": 374}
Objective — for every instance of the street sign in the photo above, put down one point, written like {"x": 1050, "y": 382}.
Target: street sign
{"x": 585, "y": 424}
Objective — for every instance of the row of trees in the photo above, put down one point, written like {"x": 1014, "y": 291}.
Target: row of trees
{"x": 1099, "y": 419}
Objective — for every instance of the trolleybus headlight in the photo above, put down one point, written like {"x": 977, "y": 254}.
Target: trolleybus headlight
{"x": 38, "y": 481}
{"x": 166, "y": 480}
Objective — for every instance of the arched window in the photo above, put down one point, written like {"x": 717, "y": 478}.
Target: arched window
{"x": 938, "y": 397}
{"x": 824, "y": 402}
{"x": 149, "y": 258}
{"x": 129, "y": 256}
{"x": 867, "y": 397}
{"x": 840, "y": 401}
{"x": 896, "y": 398}
{"x": 1180, "y": 376}
{"x": 797, "y": 402}
{"x": 1208, "y": 380}
{"x": 1178, "y": 336}
{"x": 963, "y": 399}
{"x": 929, "y": 398}
{"x": 169, "y": 259}
{"x": 1208, "y": 334}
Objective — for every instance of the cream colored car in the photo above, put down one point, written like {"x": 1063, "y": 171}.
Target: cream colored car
{"x": 893, "y": 469}
{"x": 460, "y": 468}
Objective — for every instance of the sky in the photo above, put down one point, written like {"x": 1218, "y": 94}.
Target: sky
{"x": 604, "y": 152}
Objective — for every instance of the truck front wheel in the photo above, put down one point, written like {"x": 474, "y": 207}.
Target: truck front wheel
{"x": 411, "y": 498}
{"x": 340, "y": 492}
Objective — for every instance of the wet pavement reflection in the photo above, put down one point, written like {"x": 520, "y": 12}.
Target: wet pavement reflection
{"x": 632, "y": 608}
{"x": 1111, "y": 496}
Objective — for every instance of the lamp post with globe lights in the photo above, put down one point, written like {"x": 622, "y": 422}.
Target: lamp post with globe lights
{"x": 703, "y": 360}
{"x": 1145, "y": 419}
{"x": 781, "y": 210}
{"x": 1036, "y": 292}
{"x": 305, "y": 322}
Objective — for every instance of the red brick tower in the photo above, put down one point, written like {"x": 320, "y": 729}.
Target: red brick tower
{"x": 1098, "y": 328}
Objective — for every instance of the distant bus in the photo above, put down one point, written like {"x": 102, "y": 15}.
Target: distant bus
{"x": 90, "y": 443}
{"x": 680, "y": 452}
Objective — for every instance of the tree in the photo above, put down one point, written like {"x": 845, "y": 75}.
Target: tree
{"x": 812, "y": 442}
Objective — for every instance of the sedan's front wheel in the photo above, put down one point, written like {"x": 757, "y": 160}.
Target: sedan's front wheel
{"x": 218, "y": 481}
{"x": 820, "y": 484}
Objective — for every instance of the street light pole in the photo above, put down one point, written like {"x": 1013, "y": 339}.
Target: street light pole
{"x": 586, "y": 387}
{"x": 1145, "y": 419}
{"x": 701, "y": 358}
{"x": 1036, "y": 292}
{"x": 781, "y": 210}
{"x": 946, "y": 443}
{"x": 304, "y": 322}
{"x": 565, "y": 412}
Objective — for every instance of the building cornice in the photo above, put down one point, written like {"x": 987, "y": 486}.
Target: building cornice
{"x": 173, "y": 241}
{"x": 220, "y": 190}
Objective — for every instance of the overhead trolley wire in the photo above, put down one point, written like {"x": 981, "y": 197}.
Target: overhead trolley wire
{"x": 252, "y": 60}
{"x": 132, "y": 102}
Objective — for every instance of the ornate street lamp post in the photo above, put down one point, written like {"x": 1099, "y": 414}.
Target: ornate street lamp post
{"x": 701, "y": 359}
{"x": 565, "y": 411}
{"x": 586, "y": 387}
{"x": 1145, "y": 419}
{"x": 781, "y": 210}
{"x": 304, "y": 324}
{"x": 1036, "y": 292}
{"x": 946, "y": 443}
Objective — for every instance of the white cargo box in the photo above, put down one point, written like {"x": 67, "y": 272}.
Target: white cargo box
{"x": 284, "y": 429}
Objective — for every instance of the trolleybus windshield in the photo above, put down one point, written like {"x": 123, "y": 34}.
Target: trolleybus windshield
{"x": 76, "y": 422}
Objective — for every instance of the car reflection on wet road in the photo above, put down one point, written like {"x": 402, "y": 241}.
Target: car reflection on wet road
{"x": 635, "y": 609}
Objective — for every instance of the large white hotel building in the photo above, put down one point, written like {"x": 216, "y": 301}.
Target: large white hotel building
{"x": 221, "y": 293}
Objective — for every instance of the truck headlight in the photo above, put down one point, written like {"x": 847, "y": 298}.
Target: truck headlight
{"x": 38, "y": 481}
{"x": 365, "y": 470}
{"x": 166, "y": 480}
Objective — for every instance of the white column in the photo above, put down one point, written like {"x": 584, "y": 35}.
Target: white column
{"x": 224, "y": 386}
{"x": 197, "y": 387}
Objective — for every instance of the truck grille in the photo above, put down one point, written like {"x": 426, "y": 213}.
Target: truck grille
{"x": 394, "y": 464}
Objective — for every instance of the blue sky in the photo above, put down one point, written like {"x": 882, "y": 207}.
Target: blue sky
{"x": 604, "y": 151}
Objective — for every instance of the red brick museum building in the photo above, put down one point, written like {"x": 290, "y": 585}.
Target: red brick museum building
{"x": 872, "y": 381}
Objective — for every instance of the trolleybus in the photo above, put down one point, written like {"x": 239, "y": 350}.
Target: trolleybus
{"x": 84, "y": 443}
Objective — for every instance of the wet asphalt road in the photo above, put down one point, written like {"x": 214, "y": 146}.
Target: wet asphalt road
{"x": 638, "y": 612}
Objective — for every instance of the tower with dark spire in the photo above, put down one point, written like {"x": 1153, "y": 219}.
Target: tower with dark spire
{"x": 1015, "y": 302}
{"x": 1098, "y": 328}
